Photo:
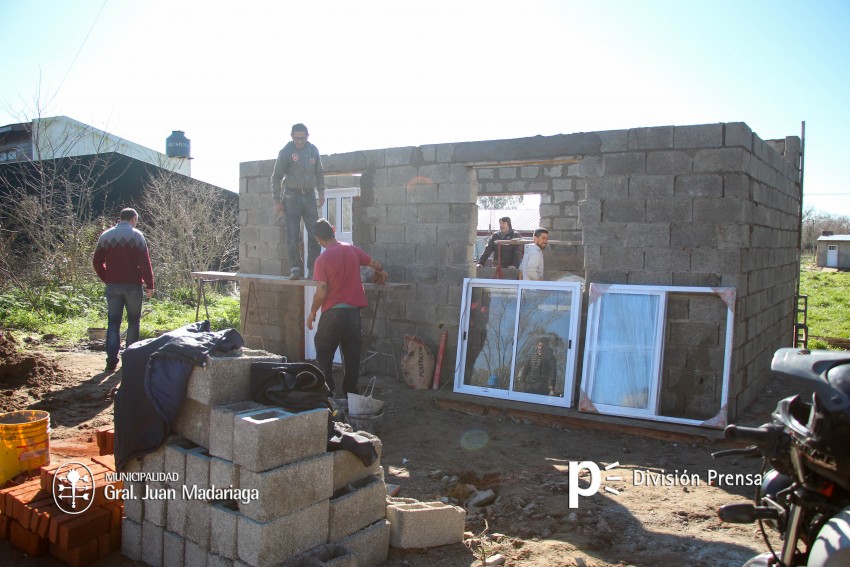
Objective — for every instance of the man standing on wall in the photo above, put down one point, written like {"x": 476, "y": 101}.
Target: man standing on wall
{"x": 340, "y": 295}
{"x": 507, "y": 256}
{"x": 531, "y": 267}
{"x": 297, "y": 175}
{"x": 122, "y": 262}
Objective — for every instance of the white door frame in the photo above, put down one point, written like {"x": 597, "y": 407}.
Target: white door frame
{"x": 336, "y": 195}
{"x": 832, "y": 255}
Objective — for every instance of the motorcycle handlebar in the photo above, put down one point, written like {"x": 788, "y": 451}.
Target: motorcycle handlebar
{"x": 763, "y": 435}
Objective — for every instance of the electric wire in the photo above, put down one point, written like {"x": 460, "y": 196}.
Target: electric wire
{"x": 85, "y": 39}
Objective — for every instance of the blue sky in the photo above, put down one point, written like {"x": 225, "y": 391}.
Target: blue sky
{"x": 385, "y": 74}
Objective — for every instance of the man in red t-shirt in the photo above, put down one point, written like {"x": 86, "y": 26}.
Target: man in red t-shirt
{"x": 340, "y": 295}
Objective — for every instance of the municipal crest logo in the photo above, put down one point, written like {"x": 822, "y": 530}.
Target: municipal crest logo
{"x": 312, "y": 161}
{"x": 73, "y": 487}
{"x": 295, "y": 157}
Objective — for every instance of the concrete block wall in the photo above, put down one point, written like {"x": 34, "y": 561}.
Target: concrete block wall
{"x": 272, "y": 505}
{"x": 702, "y": 205}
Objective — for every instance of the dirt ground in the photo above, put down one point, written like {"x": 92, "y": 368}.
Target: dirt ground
{"x": 432, "y": 454}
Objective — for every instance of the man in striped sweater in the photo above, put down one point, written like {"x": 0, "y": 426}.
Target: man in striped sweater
{"x": 123, "y": 263}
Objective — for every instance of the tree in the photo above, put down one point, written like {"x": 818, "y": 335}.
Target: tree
{"x": 46, "y": 214}
{"x": 189, "y": 227}
{"x": 496, "y": 202}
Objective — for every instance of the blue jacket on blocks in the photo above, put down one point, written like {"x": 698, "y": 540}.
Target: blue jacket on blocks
{"x": 155, "y": 373}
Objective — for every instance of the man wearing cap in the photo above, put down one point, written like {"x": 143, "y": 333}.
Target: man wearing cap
{"x": 297, "y": 175}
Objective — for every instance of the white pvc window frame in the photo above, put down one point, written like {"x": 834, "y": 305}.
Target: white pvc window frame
{"x": 572, "y": 341}
{"x": 597, "y": 294}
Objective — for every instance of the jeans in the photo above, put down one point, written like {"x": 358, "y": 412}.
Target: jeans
{"x": 298, "y": 205}
{"x": 340, "y": 327}
{"x": 119, "y": 297}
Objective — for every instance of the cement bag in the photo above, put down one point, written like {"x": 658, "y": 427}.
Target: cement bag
{"x": 417, "y": 363}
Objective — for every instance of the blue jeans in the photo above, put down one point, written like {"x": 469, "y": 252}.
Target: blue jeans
{"x": 298, "y": 205}
{"x": 340, "y": 328}
{"x": 119, "y": 297}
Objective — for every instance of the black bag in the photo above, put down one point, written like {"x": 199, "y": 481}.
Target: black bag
{"x": 294, "y": 386}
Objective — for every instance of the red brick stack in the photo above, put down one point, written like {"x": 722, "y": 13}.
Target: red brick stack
{"x": 30, "y": 518}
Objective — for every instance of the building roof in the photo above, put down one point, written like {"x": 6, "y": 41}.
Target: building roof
{"x": 835, "y": 238}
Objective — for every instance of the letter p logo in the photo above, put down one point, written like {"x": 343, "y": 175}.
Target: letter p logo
{"x": 574, "y": 489}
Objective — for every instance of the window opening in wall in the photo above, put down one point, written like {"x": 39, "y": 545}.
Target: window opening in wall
{"x": 658, "y": 352}
{"x": 523, "y": 210}
{"x": 517, "y": 340}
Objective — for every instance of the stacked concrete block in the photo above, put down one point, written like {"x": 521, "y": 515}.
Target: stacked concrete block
{"x": 260, "y": 493}
{"x": 222, "y": 380}
{"x": 425, "y": 524}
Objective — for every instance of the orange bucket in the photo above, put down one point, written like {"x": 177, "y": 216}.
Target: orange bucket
{"x": 24, "y": 442}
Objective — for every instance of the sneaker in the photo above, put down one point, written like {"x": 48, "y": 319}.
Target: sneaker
{"x": 111, "y": 367}
{"x": 295, "y": 274}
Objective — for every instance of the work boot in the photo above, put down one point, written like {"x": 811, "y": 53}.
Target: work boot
{"x": 295, "y": 274}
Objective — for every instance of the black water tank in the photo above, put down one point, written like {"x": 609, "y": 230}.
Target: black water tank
{"x": 177, "y": 145}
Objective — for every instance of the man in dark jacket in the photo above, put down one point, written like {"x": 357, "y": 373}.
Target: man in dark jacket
{"x": 508, "y": 256}
{"x": 297, "y": 175}
{"x": 538, "y": 374}
{"x": 122, "y": 262}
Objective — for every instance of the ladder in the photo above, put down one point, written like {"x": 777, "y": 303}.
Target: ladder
{"x": 801, "y": 327}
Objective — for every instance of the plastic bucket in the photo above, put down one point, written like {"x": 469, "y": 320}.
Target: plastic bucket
{"x": 97, "y": 334}
{"x": 367, "y": 423}
{"x": 24, "y": 442}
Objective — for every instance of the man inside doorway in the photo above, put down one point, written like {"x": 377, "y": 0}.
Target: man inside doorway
{"x": 506, "y": 256}
{"x": 297, "y": 175}
{"x": 531, "y": 267}
{"x": 340, "y": 295}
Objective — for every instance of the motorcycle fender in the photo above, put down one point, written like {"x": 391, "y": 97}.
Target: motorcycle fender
{"x": 832, "y": 546}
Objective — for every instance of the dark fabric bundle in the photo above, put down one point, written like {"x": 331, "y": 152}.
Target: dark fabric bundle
{"x": 294, "y": 386}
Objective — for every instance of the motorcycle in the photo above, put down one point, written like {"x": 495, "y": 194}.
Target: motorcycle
{"x": 805, "y": 450}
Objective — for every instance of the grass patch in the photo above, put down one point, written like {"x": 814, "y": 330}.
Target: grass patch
{"x": 828, "y": 303}
{"x": 68, "y": 314}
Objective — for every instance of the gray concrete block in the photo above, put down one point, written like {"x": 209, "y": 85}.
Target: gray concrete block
{"x": 176, "y": 510}
{"x": 214, "y": 560}
{"x": 651, "y": 186}
{"x": 325, "y": 555}
{"x": 131, "y": 539}
{"x": 623, "y": 210}
{"x": 669, "y": 210}
{"x": 175, "y": 457}
{"x": 194, "y": 555}
{"x": 699, "y": 185}
{"x": 356, "y": 506}
{"x": 699, "y": 136}
{"x": 197, "y": 468}
{"x": 198, "y": 522}
{"x": 739, "y": 134}
{"x": 655, "y": 138}
{"x": 223, "y": 473}
{"x": 193, "y": 422}
{"x": 152, "y": 544}
{"x": 267, "y": 544}
{"x": 173, "y": 548}
{"x": 134, "y": 508}
{"x": 154, "y": 508}
{"x": 370, "y": 545}
{"x": 724, "y": 160}
{"x": 224, "y": 518}
{"x": 154, "y": 461}
{"x": 425, "y": 524}
{"x": 287, "y": 489}
{"x": 629, "y": 163}
{"x": 274, "y": 437}
{"x": 225, "y": 379}
{"x": 347, "y": 468}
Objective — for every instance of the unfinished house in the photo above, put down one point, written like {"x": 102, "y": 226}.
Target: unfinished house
{"x": 670, "y": 281}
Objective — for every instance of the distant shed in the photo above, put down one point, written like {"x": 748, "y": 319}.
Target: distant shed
{"x": 834, "y": 251}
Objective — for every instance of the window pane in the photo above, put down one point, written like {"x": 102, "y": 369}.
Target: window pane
{"x": 346, "y": 214}
{"x": 332, "y": 211}
{"x": 543, "y": 342}
{"x": 625, "y": 350}
{"x": 490, "y": 341}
